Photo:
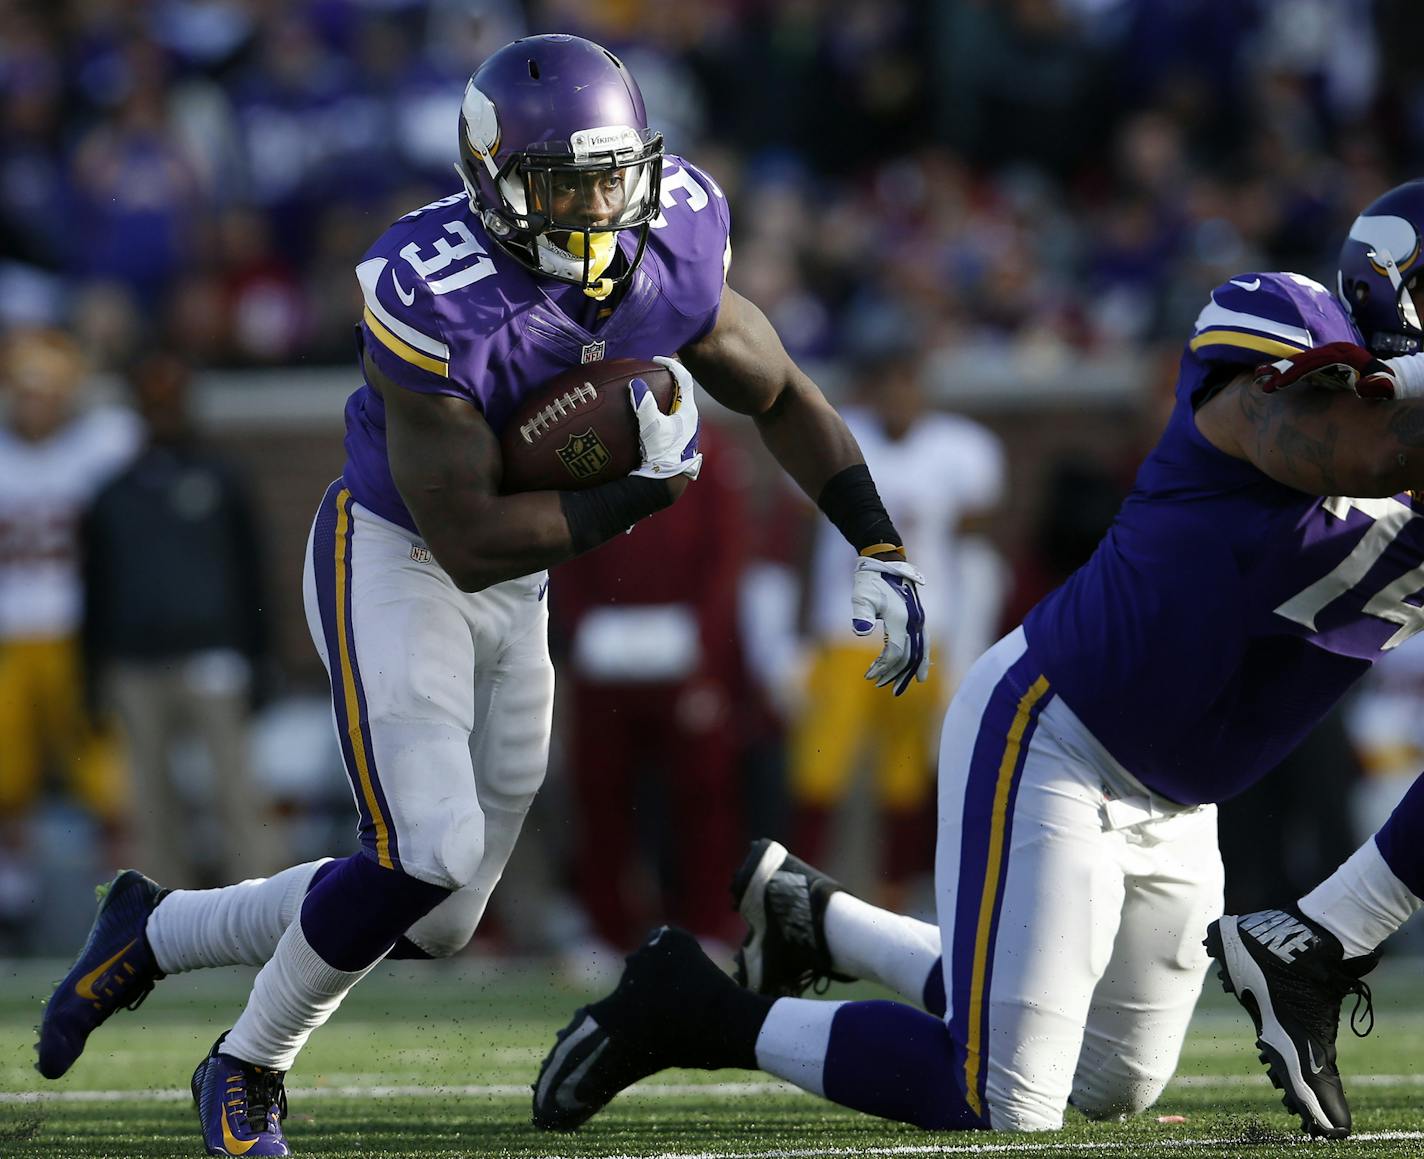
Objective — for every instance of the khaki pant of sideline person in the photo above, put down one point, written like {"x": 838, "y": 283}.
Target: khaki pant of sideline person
{"x": 205, "y": 696}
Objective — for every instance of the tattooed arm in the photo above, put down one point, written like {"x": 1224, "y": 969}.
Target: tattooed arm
{"x": 1323, "y": 442}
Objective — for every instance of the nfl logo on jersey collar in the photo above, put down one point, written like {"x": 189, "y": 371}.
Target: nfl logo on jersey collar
{"x": 593, "y": 352}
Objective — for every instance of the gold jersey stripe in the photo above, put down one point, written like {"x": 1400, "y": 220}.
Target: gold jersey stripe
{"x": 403, "y": 349}
{"x": 1244, "y": 341}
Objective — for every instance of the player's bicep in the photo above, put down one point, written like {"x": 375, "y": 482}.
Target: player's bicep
{"x": 1322, "y": 442}
{"x": 444, "y": 458}
{"x": 743, "y": 365}
{"x": 741, "y": 361}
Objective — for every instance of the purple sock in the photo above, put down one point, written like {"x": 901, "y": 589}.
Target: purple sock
{"x": 1401, "y": 839}
{"x": 322, "y": 870}
{"x": 404, "y": 949}
{"x": 934, "y": 999}
{"x": 355, "y": 910}
{"x": 897, "y": 1062}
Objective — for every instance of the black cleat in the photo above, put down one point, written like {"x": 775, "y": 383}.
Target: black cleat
{"x": 783, "y": 901}
{"x": 1291, "y": 976}
{"x": 656, "y": 1017}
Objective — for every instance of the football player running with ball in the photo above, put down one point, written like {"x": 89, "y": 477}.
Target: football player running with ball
{"x": 1269, "y": 552}
{"x": 576, "y": 238}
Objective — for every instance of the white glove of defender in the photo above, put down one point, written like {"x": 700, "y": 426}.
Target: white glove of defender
{"x": 668, "y": 441}
{"x": 889, "y": 591}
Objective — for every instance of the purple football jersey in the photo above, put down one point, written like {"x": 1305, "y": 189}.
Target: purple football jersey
{"x": 1224, "y": 613}
{"x": 449, "y": 312}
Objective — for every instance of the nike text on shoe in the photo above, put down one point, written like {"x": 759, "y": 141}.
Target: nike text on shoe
{"x": 115, "y": 970}
{"x": 783, "y": 901}
{"x": 662, "y": 1013}
{"x": 240, "y": 1106}
{"x": 1291, "y": 977}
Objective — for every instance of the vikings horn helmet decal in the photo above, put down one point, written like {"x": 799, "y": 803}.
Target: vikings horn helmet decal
{"x": 1379, "y": 262}
{"x": 558, "y": 159}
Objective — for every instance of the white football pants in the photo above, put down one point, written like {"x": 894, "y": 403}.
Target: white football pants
{"x": 443, "y": 702}
{"x": 1072, "y": 906}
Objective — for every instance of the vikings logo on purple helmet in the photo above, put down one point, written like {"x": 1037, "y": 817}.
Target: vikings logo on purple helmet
{"x": 1378, "y": 262}
{"x": 547, "y": 113}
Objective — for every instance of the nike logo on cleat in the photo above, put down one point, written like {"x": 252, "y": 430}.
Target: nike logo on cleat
{"x": 1315, "y": 1067}
{"x": 234, "y": 1145}
{"x": 1253, "y": 284}
{"x": 1280, "y": 933}
{"x": 85, "y": 986}
{"x": 567, "y": 1094}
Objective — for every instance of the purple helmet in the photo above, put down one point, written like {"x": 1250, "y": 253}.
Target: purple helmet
{"x": 1380, "y": 263}
{"x": 557, "y": 157}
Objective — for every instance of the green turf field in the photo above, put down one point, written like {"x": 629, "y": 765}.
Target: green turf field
{"x": 436, "y": 1060}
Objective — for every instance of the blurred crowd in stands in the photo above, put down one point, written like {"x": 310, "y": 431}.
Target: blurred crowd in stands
{"x": 189, "y": 184}
{"x": 1058, "y": 173}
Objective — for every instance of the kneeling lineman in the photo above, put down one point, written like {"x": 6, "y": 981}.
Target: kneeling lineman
{"x": 1264, "y": 559}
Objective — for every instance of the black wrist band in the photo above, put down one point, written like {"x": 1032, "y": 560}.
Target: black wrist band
{"x": 852, "y": 503}
{"x": 595, "y": 516}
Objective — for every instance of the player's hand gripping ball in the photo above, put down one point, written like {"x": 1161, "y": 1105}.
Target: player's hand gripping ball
{"x": 579, "y": 429}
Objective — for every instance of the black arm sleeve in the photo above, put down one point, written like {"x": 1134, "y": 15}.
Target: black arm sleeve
{"x": 852, "y": 503}
{"x": 599, "y": 513}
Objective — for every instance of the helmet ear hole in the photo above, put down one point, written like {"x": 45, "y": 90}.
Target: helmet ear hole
{"x": 533, "y": 69}
{"x": 1360, "y": 292}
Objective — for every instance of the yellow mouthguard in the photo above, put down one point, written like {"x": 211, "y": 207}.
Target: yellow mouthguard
{"x": 602, "y": 247}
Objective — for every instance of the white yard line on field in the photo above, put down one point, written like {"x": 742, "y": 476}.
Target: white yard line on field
{"x": 738, "y": 1090}
{"x": 1212, "y": 1081}
{"x": 416, "y": 1091}
{"x": 644, "y": 1090}
{"x": 1000, "y": 1148}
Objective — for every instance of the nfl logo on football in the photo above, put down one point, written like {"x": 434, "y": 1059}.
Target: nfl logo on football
{"x": 593, "y": 352}
{"x": 584, "y": 455}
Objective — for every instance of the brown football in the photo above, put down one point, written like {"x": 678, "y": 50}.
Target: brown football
{"x": 578, "y": 430}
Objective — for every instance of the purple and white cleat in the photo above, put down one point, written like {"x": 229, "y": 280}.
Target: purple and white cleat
{"x": 115, "y": 970}
{"x": 240, "y": 1106}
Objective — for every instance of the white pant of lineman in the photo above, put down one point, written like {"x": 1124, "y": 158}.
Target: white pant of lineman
{"x": 1072, "y": 906}
{"x": 443, "y": 702}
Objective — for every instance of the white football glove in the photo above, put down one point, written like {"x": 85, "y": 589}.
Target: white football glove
{"x": 668, "y": 441}
{"x": 889, "y": 591}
